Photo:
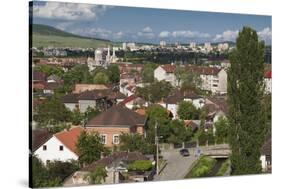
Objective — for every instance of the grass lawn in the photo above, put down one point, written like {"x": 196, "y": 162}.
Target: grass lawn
{"x": 62, "y": 41}
{"x": 203, "y": 166}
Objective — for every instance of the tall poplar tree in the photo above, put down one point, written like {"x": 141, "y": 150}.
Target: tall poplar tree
{"x": 245, "y": 91}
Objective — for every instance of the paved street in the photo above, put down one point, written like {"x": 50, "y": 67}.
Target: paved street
{"x": 177, "y": 166}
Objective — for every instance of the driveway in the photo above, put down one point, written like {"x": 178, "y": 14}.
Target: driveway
{"x": 177, "y": 166}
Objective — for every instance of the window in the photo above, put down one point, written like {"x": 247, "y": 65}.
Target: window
{"x": 103, "y": 138}
{"x": 44, "y": 147}
{"x": 61, "y": 148}
{"x": 115, "y": 139}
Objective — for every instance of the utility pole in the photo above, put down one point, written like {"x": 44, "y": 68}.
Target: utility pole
{"x": 157, "y": 149}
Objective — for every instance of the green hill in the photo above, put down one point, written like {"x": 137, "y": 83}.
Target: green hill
{"x": 47, "y": 36}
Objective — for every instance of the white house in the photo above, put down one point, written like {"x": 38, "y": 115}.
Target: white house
{"x": 213, "y": 79}
{"x": 70, "y": 101}
{"x": 167, "y": 73}
{"x": 171, "y": 103}
{"x": 268, "y": 82}
{"x": 61, "y": 146}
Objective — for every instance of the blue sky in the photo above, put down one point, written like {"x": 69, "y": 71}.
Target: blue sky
{"x": 148, "y": 25}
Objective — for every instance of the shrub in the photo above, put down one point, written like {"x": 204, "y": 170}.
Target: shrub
{"x": 140, "y": 165}
{"x": 203, "y": 167}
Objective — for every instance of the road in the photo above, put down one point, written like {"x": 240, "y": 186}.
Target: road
{"x": 177, "y": 166}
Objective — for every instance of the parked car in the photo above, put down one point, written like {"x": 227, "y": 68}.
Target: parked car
{"x": 184, "y": 152}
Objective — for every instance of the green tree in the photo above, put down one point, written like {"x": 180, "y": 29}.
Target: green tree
{"x": 156, "y": 91}
{"x": 245, "y": 90}
{"x": 49, "y": 70}
{"x": 89, "y": 147}
{"x": 147, "y": 73}
{"x": 97, "y": 176}
{"x": 135, "y": 143}
{"x": 186, "y": 79}
{"x": 140, "y": 165}
{"x": 178, "y": 132}
{"x": 101, "y": 78}
{"x": 157, "y": 114}
{"x": 187, "y": 110}
{"x": 222, "y": 128}
{"x": 77, "y": 117}
{"x": 51, "y": 112}
{"x": 90, "y": 113}
{"x": 113, "y": 73}
{"x": 78, "y": 74}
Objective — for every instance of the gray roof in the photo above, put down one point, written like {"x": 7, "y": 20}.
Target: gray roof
{"x": 117, "y": 116}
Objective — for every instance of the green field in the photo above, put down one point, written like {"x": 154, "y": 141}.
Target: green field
{"x": 47, "y": 36}
{"x": 60, "y": 41}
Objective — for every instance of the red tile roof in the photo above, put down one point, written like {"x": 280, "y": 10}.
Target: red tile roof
{"x": 169, "y": 68}
{"x": 69, "y": 138}
{"x": 128, "y": 99}
{"x": 202, "y": 70}
{"x": 267, "y": 74}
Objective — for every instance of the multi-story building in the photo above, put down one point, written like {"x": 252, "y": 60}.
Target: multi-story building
{"x": 213, "y": 79}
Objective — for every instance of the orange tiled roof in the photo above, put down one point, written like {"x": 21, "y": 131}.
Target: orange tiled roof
{"x": 69, "y": 138}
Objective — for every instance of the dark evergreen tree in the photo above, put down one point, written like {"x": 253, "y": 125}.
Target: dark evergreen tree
{"x": 245, "y": 91}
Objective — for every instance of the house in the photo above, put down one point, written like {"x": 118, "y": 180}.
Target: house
{"x": 38, "y": 80}
{"x": 53, "y": 79}
{"x": 172, "y": 101}
{"x": 99, "y": 98}
{"x": 94, "y": 99}
{"x": 39, "y": 137}
{"x": 167, "y": 73}
{"x": 50, "y": 87}
{"x": 71, "y": 101}
{"x": 116, "y": 96}
{"x": 38, "y": 76}
{"x": 115, "y": 121}
{"x": 266, "y": 154}
{"x": 61, "y": 146}
{"x": 215, "y": 107}
{"x": 194, "y": 124}
{"x": 268, "y": 81}
{"x": 213, "y": 79}
{"x": 134, "y": 101}
{"x": 79, "y": 88}
{"x": 114, "y": 164}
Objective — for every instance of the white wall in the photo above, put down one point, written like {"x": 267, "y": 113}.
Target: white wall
{"x": 160, "y": 74}
{"x": 84, "y": 104}
{"x": 222, "y": 87}
{"x": 70, "y": 106}
{"x": 268, "y": 83}
{"x": 53, "y": 152}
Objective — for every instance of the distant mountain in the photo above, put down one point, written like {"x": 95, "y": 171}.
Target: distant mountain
{"x": 48, "y": 36}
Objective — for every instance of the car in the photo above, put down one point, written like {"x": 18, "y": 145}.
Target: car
{"x": 184, "y": 152}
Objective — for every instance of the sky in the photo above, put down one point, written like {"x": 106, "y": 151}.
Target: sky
{"x": 148, "y": 25}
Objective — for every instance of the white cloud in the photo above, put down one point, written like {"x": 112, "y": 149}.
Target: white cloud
{"x": 147, "y": 29}
{"x": 145, "y": 34}
{"x": 265, "y": 34}
{"x": 164, "y": 34}
{"x": 63, "y": 25}
{"x": 93, "y": 32}
{"x": 118, "y": 35}
{"x": 229, "y": 35}
{"x": 68, "y": 11}
{"x": 183, "y": 33}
